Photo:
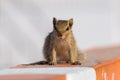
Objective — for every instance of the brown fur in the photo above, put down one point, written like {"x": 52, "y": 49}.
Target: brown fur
{"x": 60, "y": 44}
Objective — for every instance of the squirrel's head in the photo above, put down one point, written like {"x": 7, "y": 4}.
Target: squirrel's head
{"x": 62, "y": 27}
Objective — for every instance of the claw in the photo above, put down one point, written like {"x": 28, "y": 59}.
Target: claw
{"x": 76, "y": 63}
{"x": 52, "y": 63}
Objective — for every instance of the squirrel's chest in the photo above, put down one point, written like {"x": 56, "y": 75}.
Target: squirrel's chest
{"x": 61, "y": 46}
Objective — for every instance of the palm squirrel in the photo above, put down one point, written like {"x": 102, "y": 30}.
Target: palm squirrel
{"x": 60, "y": 45}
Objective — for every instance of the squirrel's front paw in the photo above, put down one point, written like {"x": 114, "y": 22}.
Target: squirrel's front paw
{"x": 52, "y": 63}
{"x": 76, "y": 63}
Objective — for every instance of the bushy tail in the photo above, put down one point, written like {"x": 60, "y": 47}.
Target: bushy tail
{"x": 39, "y": 63}
{"x": 81, "y": 56}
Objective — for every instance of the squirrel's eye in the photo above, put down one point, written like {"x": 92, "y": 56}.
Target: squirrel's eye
{"x": 67, "y": 28}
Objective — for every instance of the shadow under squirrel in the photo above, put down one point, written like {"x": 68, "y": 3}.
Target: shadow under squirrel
{"x": 60, "y": 45}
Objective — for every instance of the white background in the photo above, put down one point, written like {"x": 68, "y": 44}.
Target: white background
{"x": 25, "y": 23}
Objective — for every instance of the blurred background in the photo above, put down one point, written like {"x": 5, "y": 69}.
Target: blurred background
{"x": 24, "y": 24}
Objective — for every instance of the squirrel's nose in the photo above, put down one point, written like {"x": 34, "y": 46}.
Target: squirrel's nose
{"x": 60, "y": 35}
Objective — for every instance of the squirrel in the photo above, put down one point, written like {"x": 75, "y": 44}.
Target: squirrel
{"x": 60, "y": 45}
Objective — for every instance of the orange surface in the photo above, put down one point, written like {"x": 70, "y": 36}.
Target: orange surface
{"x": 109, "y": 70}
{"x": 105, "y": 60}
{"x": 109, "y": 62}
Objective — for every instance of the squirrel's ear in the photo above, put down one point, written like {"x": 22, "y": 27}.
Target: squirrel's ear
{"x": 71, "y": 22}
{"x": 54, "y": 21}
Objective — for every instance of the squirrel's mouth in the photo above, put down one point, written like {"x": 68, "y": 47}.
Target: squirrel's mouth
{"x": 61, "y": 36}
